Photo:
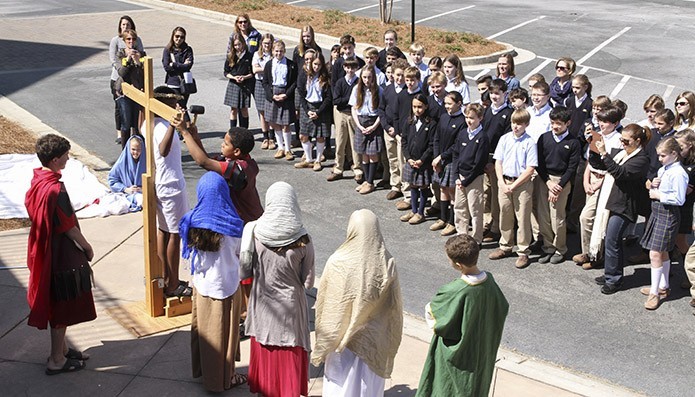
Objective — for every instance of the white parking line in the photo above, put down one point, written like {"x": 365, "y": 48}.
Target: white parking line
{"x": 296, "y": 1}
{"x": 442, "y": 14}
{"x": 536, "y": 70}
{"x": 584, "y": 70}
{"x": 600, "y": 46}
{"x": 367, "y": 7}
{"x": 669, "y": 91}
{"x": 619, "y": 87}
{"x": 515, "y": 27}
{"x": 481, "y": 74}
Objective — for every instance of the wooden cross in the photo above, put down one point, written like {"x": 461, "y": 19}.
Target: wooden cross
{"x": 154, "y": 269}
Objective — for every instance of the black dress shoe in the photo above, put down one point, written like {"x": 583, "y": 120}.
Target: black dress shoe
{"x": 608, "y": 289}
{"x": 600, "y": 280}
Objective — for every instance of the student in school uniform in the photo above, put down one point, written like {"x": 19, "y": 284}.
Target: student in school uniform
{"x": 390, "y": 41}
{"x": 369, "y": 136}
{"x": 497, "y": 121}
{"x": 558, "y": 157}
{"x": 417, "y": 150}
{"x": 652, "y": 105}
{"x": 434, "y": 65}
{"x": 315, "y": 111}
{"x": 370, "y": 55}
{"x": 515, "y": 162}
{"x": 344, "y": 127}
{"x": 483, "y": 84}
{"x": 307, "y": 41}
{"x": 456, "y": 79}
{"x": 237, "y": 68}
{"x": 540, "y": 111}
{"x": 594, "y": 174}
{"x": 518, "y": 98}
{"x": 445, "y": 175}
{"x": 260, "y": 58}
{"x": 469, "y": 155}
{"x": 347, "y": 49}
{"x": 579, "y": 104}
{"x": 417, "y": 53}
{"x": 388, "y": 116}
{"x": 435, "y": 110}
{"x": 279, "y": 83}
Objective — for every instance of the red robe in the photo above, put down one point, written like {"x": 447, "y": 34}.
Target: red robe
{"x": 48, "y": 225}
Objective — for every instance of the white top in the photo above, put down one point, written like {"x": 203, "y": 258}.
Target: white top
{"x": 216, "y": 274}
{"x": 169, "y": 180}
{"x": 366, "y": 108}
{"x": 260, "y": 60}
{"x": 674, "y": 183}
{"x": 424, "y": 70}
{"x": 279, "y": 72}
{"x": 380, "y": 76}
{"x": 313, "y": 90}
{"x": 540, "y": 121}
{"x": 461, "y": 88}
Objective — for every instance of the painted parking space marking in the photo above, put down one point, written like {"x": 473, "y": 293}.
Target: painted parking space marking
{"x": 367, "y": 7}
{"x": 583, "y": 70}
{"x": 600, "y": 46}
{"x": 296, "y": 1}
{"x": 515, "y": 27}
{"x": 619, "y": 87}
{"x": 669, "y": 90}
{"x": 536, "y": 70}
{"x": 481, "y": 74}
{"x": 442, "y": 14}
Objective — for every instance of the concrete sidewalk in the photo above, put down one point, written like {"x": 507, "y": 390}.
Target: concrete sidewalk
{"x": 122, "y": 364}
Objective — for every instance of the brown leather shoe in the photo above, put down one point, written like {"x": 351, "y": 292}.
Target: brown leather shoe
{"x": 272, "y": 145}
{"x": 334, "y": 177}
{"x": 439, "y": 225}
{"x": 663, "y": 293}
{"x": 264, "y": 144}
{"x": 279, "y": 154}
{"x": 289, "y": 156}
{"x": 403, "y": 205}
{"x": 367, "y": 188}
{"x": 652, "y": 302}
{"x": 522, "y": 261}
{"x": 393, "y": 194}
{"x": 588, "y": 265}
{"x": 406, "y": 217}
{"x": 581, "y": 258}
{"x": 499, "y": 253}
{"x": 317, "y": 166}
{"x": 448, "y": 230}
{"x": 416, "y": 219}
{"x": 303, "y": 164}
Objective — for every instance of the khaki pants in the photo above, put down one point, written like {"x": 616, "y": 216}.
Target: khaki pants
{"x": 491, "y": 216}
{"x": 551, "y": 217}
{"x": 344, "y": 141}
{"x": 689, "y": 264}
{"x": 586, "y": 218}
{"x": 516, "y": 206}
{"x": 468, "y": 209}
{"x": 535, "y": 227}
{"x": 393, "y": 154}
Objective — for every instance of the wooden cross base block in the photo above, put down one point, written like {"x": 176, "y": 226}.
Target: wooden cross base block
{"x": 177, "y": 306}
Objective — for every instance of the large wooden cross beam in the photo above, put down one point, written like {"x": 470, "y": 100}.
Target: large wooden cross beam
{"x": 154, "y": 269}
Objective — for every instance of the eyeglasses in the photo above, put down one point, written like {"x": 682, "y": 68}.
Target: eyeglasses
{"x": 179, "y": 36}
{"x": 681, "y": 103}
{"x": 625, "y": 141}
{"x": 242, "y": 22}
{"x": 561, "y": 67}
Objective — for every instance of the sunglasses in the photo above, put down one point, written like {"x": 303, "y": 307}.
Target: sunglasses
{"x": 179, "y": 36}
{"x": 561, "y": 67}
{"x": 625, "y": 141}
{"x": 241, "y": 22}
{"x": 681, "y": 103}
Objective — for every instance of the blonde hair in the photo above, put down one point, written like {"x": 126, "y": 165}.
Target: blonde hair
{"x": 417, "y": 48}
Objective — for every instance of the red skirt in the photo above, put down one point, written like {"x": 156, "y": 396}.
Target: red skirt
{"x": 276, "y": 371}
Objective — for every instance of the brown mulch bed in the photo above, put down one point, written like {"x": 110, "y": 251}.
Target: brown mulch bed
{"x": 14, "y": 139}
{"x": 335, "y": 23}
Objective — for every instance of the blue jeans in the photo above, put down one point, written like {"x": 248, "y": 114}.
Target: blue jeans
{"x": 613, "y": 254}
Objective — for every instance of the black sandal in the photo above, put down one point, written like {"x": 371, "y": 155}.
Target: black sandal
{"x": 182, "y": 290}
{"x": 71, "y": 365}
{"x": 237, "y": 380}
{"x": 75, "y": 355}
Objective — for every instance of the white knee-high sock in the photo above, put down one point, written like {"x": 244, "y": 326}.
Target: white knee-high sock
{"x": 656, "y": 277}
{"x": 320, "y": 147}
{"x": 663, "y": 281}
{"x": 307, "y": 151}
{"x": 288, "y": 141}
{"x": 278, "y": 138}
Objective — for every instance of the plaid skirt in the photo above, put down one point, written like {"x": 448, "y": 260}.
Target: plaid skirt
{"x": 281, "y": 113}
{"x": 661, "y": 228}
{"x": 259, "y": 97}
{"x": 446, "y": 178}
{"x": 371, "y": 144}
{"x": 417, "y": 177}
{"x": 320, "y": 127}
{"x": 236, "y": 96}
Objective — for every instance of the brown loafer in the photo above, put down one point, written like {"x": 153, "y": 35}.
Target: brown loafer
{"x": 652, "y": 302}
{"x": 264, "y": 144}
{"x": 393, "y": 194}
{"x": 581, "y": 258}
{"x": 289, "y": 156}
{"x": 279, "y": 154}
{"x": 663, "y": 293}
{"x": 416, "y": 219}
{"x": 522, "y": 261}
{"x": 402, "y": 205}
{"x": 499, "y": 253}
{"x": 367, "y": 188}
{"x": 334, "y": 177}
{"x": 317, "y": 166}
{"x": 448, "y": 230}
{"x": 272, "y": 145}
{"x": 303, "y": 164}
{"x": 406, "y": 217}
{"x": 438, "y": 225}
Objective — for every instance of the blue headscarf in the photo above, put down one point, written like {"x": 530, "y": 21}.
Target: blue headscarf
{"x": 127, "y": 172}
{"x": 214, "y": 211}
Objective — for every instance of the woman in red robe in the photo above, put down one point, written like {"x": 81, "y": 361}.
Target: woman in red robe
{"x": 58, "y": 258}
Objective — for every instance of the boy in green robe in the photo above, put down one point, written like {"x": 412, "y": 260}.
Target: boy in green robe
{"x": 467, "y": 316}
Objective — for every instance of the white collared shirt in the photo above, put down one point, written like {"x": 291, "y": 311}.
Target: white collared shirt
{"x": 280, "y": 72}
{"x": 540, "y": 121}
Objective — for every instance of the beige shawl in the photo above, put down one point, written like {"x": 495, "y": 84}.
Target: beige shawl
{"x": 359, "y": 300}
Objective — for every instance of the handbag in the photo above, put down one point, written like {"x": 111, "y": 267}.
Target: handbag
{"x": 188, "y": 88}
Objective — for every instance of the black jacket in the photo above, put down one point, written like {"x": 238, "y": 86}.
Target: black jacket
{"x": 291, "y": 80}
{"x": 417, "y": 145}
{"x": 628, "y": 189}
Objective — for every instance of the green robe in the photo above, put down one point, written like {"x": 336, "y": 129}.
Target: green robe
{"x": 468, "y": 329}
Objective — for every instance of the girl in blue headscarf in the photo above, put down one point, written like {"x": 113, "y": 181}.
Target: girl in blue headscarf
{"x": 210, "y": 239}
{"x": 126, "y": 175}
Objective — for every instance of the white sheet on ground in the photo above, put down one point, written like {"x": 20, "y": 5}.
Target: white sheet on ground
{"x": 88, "y": 196}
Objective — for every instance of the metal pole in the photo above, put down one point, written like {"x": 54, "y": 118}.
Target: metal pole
{"x": 412, "y": 21}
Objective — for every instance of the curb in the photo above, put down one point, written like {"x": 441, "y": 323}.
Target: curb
{"x": 37, "y": 128}
{"x": 292, "y": 34}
